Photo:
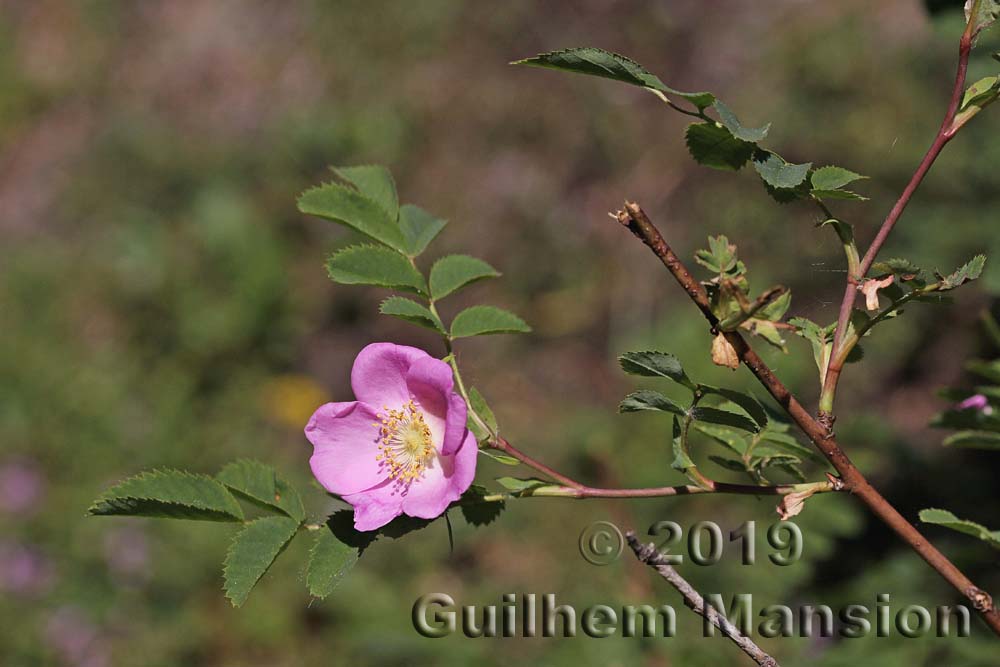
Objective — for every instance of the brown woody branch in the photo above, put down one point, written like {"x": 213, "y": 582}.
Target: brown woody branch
{"x": 650, "y": 556}
{"x": 821, "y": 436}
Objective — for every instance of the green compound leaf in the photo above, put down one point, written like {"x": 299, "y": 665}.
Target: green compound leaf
{"x": 419, "y": 228}
{"x": 485, "y": 320}
{"x": 476, "y": 510}
{"x": 336, "y": 550}
{"x": 349, "y": 207}
{"x": 455, "y": 272}
{"x": 974, "y": 440}
{"x": 833, "y": 178}
{"x": 945, "y": 518}
{"x": 712, "y": 145}
{"x": 732, "y": 123}
{"x": 966, "y": 273}
{"x": 253, "y": 550}
{"x": 777, "y": 173}
{"x": 374, "y": 265}
{"x": 904, "y": 269}
{"x": 655, "y": 364}
{"x": 169, "y": 494}
{"x": 261, "y": 484}
{"x": 411, "y": 311}
{"x": 374, "y": 182}
{"x": 647, "y": 399}
{"x": 723, "y": 418}
{"x": 598, "y": 62}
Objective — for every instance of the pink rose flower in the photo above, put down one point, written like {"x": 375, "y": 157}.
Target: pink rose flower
{"x": 403, "y": 446}
{"x": 977, "y": 402}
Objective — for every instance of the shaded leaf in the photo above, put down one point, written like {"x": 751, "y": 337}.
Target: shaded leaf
{"x": 456, "y": 271}
{"x": 729, "y": 464}
{"x": 330, "y": 559}
{"x": 724, "y": 435}
{"x": 253, "y": 550}
{"x": 169, "y": 494}
{"x": 374, "y": 265}
{"x": 714, "y": 146}
{"x": 484, "y": 320}
{"x": 477, "y": 511}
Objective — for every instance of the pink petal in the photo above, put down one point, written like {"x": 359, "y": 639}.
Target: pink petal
{"x": 431, "y": 383}
{"x": 379, "y": 374}
{"x": 345, "y": 444}
{"x": 376, "y": 507}
{"x": 444, "y": 482}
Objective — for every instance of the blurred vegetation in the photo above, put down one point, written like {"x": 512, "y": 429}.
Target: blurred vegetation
{"x": 163, "y": 304}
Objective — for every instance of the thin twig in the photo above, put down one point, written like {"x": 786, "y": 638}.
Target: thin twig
{"x": 650, "y": 556}
{"x": 944, "y": 135}
{"x": 822, "y": 437}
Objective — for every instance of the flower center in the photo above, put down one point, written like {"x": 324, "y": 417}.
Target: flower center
{"x": 405, "y": 447}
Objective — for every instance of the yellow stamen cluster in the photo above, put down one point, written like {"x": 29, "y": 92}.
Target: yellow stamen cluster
{"x": 405, "y": 446}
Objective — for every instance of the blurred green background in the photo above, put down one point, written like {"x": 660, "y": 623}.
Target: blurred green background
{"x": 163, "y": 304}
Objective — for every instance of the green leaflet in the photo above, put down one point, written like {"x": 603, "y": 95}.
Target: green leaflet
{"x": 681, "y": 460}
{"x": 477, "y": 511}
{"x": 418, "y": 227}
{"x": 169, "y": 494}
{"x": 945, "y": 518}
{"x": 261, "y": 484}
{"x": 833, "y": 178}
{"x": 965, "y": 273}
{"x": 732, "y": 123}
{"x": 723, "y": 418}
{"x": 655, "y": 364}
{"x": 712, "y": 145}
{"x": 375, "y": 265}
{"x": 520, "y": 485}
{"x": 598, "y": 62}
{"x": 374, "y": 182}
{"x": 330, "y": 559}
{"x": 484, "y": 320}
{"x": 411, "y": 311}
{"x": 647, "y": 399}
{"x": 777, "y": 173}
{"x": 349, "y": 207}
{"x": 253, "y": 550}
{"x": 974, "y": 440}
{"x": 481, "y": 408}
{"x": 455, "y": 272}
